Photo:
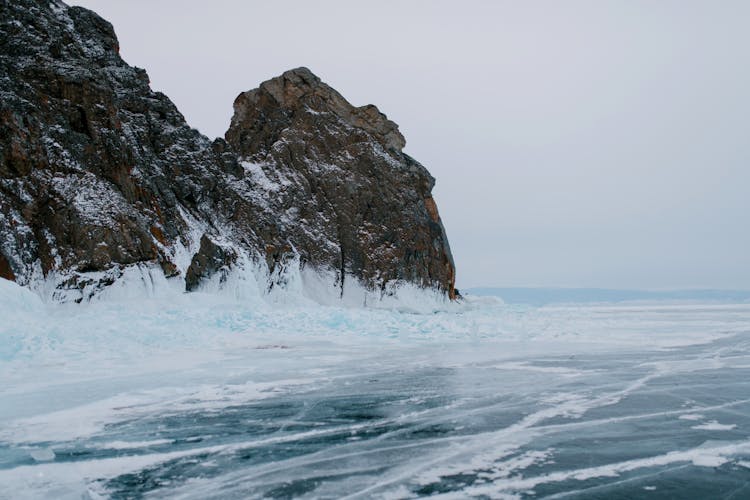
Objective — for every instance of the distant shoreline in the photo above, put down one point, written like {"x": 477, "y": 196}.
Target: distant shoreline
{"x": 544, "y": 296}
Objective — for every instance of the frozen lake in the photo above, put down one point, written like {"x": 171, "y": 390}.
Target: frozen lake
{"x": 204, "y": 398}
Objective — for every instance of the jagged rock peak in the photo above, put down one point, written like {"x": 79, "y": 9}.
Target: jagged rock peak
{"x": 300, "y": 90}
{"x": 367, "y": 206}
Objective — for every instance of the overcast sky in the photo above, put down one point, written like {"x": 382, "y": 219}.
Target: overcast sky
{"x": 577, "y": 143}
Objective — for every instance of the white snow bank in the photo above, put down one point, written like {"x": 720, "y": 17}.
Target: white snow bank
{"x": 20, "y": 310}
{"x": 17, "y": 299}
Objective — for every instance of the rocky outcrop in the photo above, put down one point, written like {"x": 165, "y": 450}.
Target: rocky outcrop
{"x": 210, "y": 260}
{"x": 98, "y": 173}
{"x": 96, "y": 169}
{"x": 339, "y": 172}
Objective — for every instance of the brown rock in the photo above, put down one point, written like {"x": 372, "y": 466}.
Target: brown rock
{"x": 5, "y": 271}
{"x": 357, "y": 203}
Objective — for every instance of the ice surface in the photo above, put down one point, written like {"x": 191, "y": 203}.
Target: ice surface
{"x": 149, "y": 392}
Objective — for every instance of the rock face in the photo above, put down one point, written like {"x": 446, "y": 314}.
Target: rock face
{"x": 338, "y": 172}
{"x": 99, "y": 173}
{"x": 210, "y": 259}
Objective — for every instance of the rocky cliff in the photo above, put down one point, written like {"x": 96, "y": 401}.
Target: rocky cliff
{"x": 99, "y": 174}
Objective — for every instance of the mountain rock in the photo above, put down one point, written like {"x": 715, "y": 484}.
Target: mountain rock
{"x": 99, "y": 174}
{"x": 338, "y": 172}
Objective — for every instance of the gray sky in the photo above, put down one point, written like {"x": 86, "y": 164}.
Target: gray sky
{"x": 577, "y": 143}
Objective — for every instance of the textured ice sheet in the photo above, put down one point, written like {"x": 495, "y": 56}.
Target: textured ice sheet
{"x": 201, "y": 396}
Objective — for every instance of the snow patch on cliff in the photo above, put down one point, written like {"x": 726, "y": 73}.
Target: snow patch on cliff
{"x": 94, "y": 200}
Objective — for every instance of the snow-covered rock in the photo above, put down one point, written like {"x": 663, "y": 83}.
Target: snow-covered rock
{"x": 101, "y": 178}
